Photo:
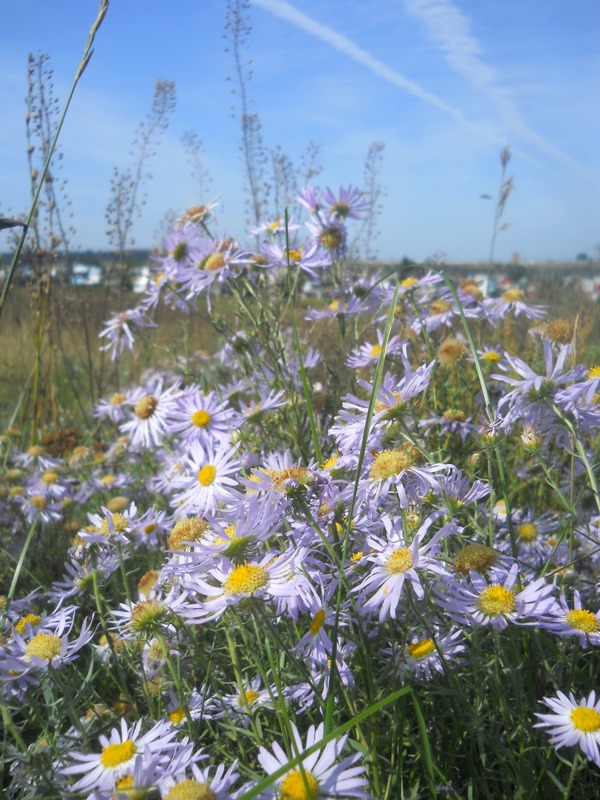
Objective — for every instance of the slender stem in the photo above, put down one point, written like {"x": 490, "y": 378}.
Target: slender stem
{"x": 87, "y": 54}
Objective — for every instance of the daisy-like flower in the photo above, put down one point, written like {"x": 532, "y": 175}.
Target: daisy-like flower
{"x": 49, "y": 648}
{"x": 573, "y": 723}
{"x": 119, "y": 330}
{"x": 118, "y": 755}
{"x": 396, "y": 560}
{"x": 308, "y": 259}
{"x": 425, "y": 655}
{"x": 350, "y": 203}
{"x": 200, "y": 417}
{"x": 151, "y": 409}
{"x": 369, "y": 353}
{"x": 241, "y": 705}
{"x": 268, "y": 577}
{"x": 577, "y": 621}
{"x": 511, "y": 300}
{"x": 318, "y": 776}
{"x": 496, "y": 602}
{"x": 206, "y": 480}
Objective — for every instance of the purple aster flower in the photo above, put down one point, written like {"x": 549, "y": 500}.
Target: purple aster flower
{"x": 349, "y": 203}
{"x": 496, "y": 602}
{"x": 397, "y": 560}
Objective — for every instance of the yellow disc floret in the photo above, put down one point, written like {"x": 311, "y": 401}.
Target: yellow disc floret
{"x": 207, "y": 475}
{"x": 582, "y": 620}
{"x": 421, "y": 649}
{"x": 586, "y": 719}
{"x": 496, "y": 600}
{"x": 317, "y": 622}
{"x": 528, "y": 531}
{"x": 190, "y": 789}
{"x": 145, "y": 407}
{"x": 399, "y": 561}
{"x": 44, "y": 645}
{"x": 115, "y": 754}
{"x": 299, "y": 786}
{"x": 201, "y": 418}
{"x": 246, "y": 579}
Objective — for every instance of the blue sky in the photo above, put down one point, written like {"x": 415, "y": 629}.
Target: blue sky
{"x": 444, "y": 84}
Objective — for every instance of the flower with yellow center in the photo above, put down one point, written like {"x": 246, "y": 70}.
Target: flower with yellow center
{"x": 527, "y": 531}
{"x": 321, "y": 774}
{"x": 389, "y": 463}
{"x": 573, "y": 723}
{"x": 421, "y": 649}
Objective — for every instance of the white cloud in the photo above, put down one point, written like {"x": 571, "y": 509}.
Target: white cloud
{"x": 450, "y": 30}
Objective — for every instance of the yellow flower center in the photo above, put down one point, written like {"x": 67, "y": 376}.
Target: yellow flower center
{"x": 375, "y": 351}
{"x": 117, "y": 399}
{"x": 201, "y": 418}
{"x": 582, "y": 620}
{"x": 177, "y": 715}
{"x": 513, "y": 295}
{"x": 145, "y": 407}
{"x": 594, "y": 372}
{"x": 399, "y": 561}
{"x": 421, "y": 649}
{"x": 295, "y": 255}
{"x": 115, "y": 754}
{"x": 28, "y": 619}
{"x": 440, "y": 306}
{"x": 36, "y": 451}
{"x": 491, "y": 356}
{"x": 408, "y": 283}
{"x": 107, "y": 480}
{"x": 528, "y": 531}
{"x": 190, "y": 789}
{"x": 207, "y": 475}
{"x": 213, "y": 262}
{"x": 44, "y": 645}
{"x": 299, "y": 475}
{"x": 187, "y": 530}
{"x": 119, "y": 521}
{"x": 317, "y": 622}
{"x": 248, "y": 698}
{"x": 496, "y": 600}
{"x": 39, "y": 501}
{"x": 585, "y": 719}
{"x": 391, "y": 462}
{"x": 298, "y": 786}
{"x": 246, "y": 579}
{"x": 49, "y": 478}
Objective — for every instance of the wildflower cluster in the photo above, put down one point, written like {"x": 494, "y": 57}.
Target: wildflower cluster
{"x": 266, "y": 549}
